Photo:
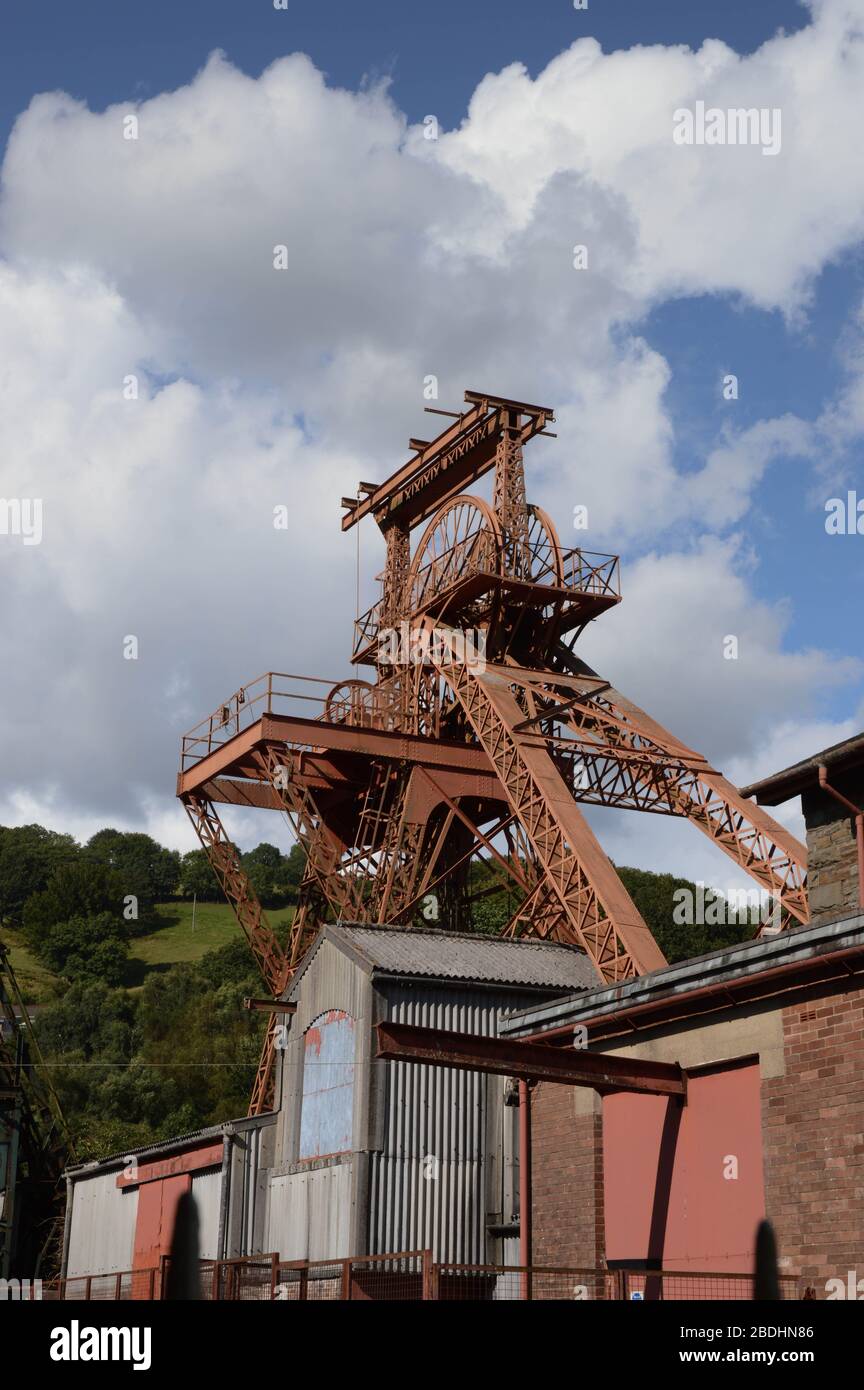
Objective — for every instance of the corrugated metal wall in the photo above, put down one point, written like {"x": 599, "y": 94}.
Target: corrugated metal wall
{"x": 332, "y": 982}
{"x": 310, "y": 1213}
{"x": 433, "y": 1149}
{"x": 102, "y": 1226}
{"x": 246, "y": 1232}
{"x": 428, "y": 1188}
{"x": 103, "y": 1218}
{"x": 207, "y": 1191}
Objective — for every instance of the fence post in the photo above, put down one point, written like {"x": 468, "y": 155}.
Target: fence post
{"x": 274, "y": 1274}
{"x": 346, "y": 1279}
{"x": 303, "y": 1292}
{"x": 429, "y": 1281}
{"x": 87, "y": 1288}
{"x": 118, "y": 1284}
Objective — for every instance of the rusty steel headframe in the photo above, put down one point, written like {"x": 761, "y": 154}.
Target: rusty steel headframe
{"x": 479, "y": 724}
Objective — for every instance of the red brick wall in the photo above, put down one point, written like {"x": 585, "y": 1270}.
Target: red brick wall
{"x": 813, "y": 1137}
{"x": 567, "y": 1158}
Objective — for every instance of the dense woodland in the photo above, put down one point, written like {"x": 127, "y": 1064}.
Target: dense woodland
{"x": 138, "y": 1055}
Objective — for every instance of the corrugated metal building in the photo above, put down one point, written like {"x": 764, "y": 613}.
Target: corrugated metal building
{"x": 375, "y": 1156}
{"x": 119, "y": 1211}
{"x": 361, "y": 1156}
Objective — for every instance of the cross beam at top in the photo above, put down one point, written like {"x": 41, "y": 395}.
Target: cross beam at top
{"x": 441, "y": 469}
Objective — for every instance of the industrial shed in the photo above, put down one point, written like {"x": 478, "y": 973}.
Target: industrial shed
{"x": 360, "y": 1156}
{"x": 120, "y": 1210}
{"x": 374, "y": 1156}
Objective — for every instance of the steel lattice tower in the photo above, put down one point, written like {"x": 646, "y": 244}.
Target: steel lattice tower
{"x": 395, "y": 782}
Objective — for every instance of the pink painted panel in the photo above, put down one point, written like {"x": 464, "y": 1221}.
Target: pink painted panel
{"x": 685, "y": 1184}
{"x": 154, "y": 1223}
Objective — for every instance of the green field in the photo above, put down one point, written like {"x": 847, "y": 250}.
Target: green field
{"x": 35, "y": 981}
{"x": 175, "y": 940}
{"x": 178, "y": 940}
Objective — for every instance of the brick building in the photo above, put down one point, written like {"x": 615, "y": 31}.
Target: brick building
{"x": 771, "y": 1037}
{"x": 831, "y": 787}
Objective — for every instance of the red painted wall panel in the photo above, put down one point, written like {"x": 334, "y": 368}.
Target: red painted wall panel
{"x": 666, "y": 1194}
{"x": 154, "y": 1224}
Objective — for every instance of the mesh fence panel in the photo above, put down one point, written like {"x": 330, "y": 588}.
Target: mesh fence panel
{"x": 684, "y": 1285}
{"x": 411, "y": 1275}
{"x": 96, "y": 1288}
{"x": 391, "y": 1278}
{"x": 375, "y": 1278}
{"x": 512, "y": 1283}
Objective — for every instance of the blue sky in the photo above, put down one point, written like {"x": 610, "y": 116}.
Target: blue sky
{"x": 107, "y": 51}
{"x": 405, "y": 256}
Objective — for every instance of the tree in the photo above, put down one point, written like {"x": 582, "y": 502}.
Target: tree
{"x": 194, "y": 1032}
{"x": 29, "y": 855}
{"x": 86, "y": 1039}
{"x": 88, "y": 947}
{"x": 197, "y": 878}
{"x": 148, "y": 871}
{"x": 83, "y": 888}
{"x": 265, "y": 867}
{"x": 295, "y": 866}
{"x": 653, "y": 894}
{"x": 91, "y": 1019}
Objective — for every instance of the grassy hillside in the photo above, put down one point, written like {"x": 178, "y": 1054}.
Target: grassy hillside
{"x": 35, "y": 981}
{"x": 174, "y": 940}
{"x": 178, "y": 940}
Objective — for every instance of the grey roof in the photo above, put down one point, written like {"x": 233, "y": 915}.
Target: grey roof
{"x": 165, "y": 1146}
{"x": 746, "y": 960}
{"x": 463, "y": 956}
{"x": 791, "y": 781}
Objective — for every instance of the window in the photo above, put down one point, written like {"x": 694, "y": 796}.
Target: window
{"x": 327, "y": 1111}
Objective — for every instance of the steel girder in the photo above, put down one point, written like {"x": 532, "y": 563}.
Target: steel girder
{"x": 322, "y": 888}
{"x": 535, "y": 1061}
{"x": 269, "y": 956}
{"x": 614, "y": 754}
{"x": 225, "y": 862}
{"x": 598, "y": 913}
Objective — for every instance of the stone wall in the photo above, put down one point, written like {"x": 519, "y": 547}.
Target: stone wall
{"x": 832, "y": 855}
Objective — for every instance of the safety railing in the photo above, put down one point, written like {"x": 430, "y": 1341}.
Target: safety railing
{"x": 589, "y": 572}
{"x": 372, "y": 1278}
{"x": 393, "y": 1277}
{"x": 474, "y": 554}
{"x": 275, "y": 692}
{"x": 366, "y": 630}
{"x": 584, "y": 572}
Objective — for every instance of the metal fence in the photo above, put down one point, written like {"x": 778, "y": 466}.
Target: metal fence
{"x": 671, "y": 1285}
{"x": 371, "y": 1278}
{"x": 91, "y": 1288}
{"x": 412, "y": 1275}
{"x": 514, "y": 1283}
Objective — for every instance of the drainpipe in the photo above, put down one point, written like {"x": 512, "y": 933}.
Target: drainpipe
{"x": 223, "y": 1234}
{"x": 67, "y": 1223}
{"x": 859, "y": 825}
{"x": 525, "y": 1186}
